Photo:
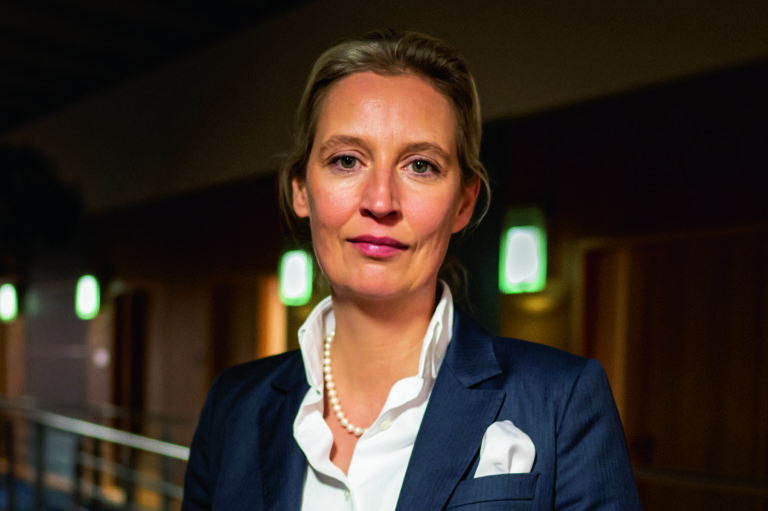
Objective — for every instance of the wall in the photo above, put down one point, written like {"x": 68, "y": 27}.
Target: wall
{"x": 688, "y": 156}
{"x": 222, "y": 114}
{"x": 189, "y": 256}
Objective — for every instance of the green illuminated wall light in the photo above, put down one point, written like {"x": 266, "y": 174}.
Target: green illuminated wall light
{"x": 87, "y": 297}
{"x": 523, "y": 255}
{"x": 9, "y": 303}
{"x": 295, "y": 278}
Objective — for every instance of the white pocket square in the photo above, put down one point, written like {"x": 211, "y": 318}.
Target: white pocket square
{"x": 505, "y": 450}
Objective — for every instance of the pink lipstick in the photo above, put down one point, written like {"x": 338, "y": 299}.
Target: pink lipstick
{"x": 373, "y": 246}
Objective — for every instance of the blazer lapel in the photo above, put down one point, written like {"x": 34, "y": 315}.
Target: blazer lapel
{"x": 283, "y": 481}
{"x": 455, "y": 420}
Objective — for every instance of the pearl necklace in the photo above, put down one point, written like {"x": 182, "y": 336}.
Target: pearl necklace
{"x": 333, "y": 398}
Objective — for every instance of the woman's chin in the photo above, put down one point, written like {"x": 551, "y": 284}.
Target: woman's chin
{"x": 366, "y": 292}
{"x": 378, "y": 290}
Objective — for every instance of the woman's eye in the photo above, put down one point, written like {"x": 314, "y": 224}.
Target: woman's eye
{"x": 347, "y": 162}
{"x": 421, "y": 166}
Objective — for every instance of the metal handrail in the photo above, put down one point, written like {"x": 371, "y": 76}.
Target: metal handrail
{"x": 91, "y": 430}
{"x": 95, "y": 413}
{"x": 41, "y": 421}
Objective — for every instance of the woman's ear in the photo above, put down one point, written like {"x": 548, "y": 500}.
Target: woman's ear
{"x": 300, "y": 201}
{"x": 467, "y": 205}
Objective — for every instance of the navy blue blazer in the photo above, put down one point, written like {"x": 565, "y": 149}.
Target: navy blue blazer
{"x": 244, "y": 456}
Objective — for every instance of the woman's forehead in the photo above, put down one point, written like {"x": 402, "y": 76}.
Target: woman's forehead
{"x": 404, "y": 106}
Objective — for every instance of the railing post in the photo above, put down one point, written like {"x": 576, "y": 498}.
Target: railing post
{"x": 39, "y": 467}
{"x": 89, "y": 466}
{"x": 10, "y": 458}
{"x": 96, "y": 476}
{"x": 129, "y": 479}
{"x": 165, "y": 471}
{"x": 77, "y": 488}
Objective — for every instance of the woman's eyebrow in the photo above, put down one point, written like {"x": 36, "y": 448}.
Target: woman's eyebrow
{"x": 350, "y": 140}
{"x": 426, "y": 147}
{"x": 342, "y": 140}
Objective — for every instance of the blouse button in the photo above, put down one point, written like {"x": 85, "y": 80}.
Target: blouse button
{"x": 385, "y": 425}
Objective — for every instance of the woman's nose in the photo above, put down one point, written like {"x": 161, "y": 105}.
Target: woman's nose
{"x": 380, "y": 198}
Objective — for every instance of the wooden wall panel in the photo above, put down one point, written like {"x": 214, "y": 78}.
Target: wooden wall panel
{"x": 689, "y": 321}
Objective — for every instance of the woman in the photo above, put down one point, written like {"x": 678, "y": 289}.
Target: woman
{"x": 396, "y": 400}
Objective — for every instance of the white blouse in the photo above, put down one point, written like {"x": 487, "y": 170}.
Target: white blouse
{"x": 381, "y": 455}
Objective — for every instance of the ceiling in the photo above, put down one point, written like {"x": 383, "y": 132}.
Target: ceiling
{"x": 54, "y": 52}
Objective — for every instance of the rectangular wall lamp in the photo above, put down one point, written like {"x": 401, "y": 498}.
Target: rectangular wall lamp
{"x": 523, "y": 252}
{"x": 9, "y": 302}
{"x": 295, "y": 278}
{"x": 87, "y": 297}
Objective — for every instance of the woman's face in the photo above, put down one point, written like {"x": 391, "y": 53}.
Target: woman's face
{"x": 383, "y": 189}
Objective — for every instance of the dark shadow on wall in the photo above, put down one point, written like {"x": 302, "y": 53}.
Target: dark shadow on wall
{"x": 38, "y": 211}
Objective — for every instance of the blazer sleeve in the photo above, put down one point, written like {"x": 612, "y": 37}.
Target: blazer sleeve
{"x": 199, "y": 476}
{"x": 593, "y": 469}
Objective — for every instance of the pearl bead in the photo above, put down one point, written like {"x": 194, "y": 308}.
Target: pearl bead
{"x": 333, "y": 399}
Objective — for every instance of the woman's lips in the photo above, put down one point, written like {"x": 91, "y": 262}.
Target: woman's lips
{"x": 373, "y": 246}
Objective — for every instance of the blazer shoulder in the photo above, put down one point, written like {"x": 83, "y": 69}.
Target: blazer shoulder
{"x": 512, "y": 353}
{"x": 255, "y": 380}
{"x": 554, "y": 375}
{"x": 476, "y": 355}
{"x": 260, "y": 370}
{"x": 536, "y": 355}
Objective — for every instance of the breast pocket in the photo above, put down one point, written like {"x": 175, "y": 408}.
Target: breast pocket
{"x": 495, "y": 492}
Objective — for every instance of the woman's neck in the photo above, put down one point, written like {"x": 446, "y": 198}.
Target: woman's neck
{"x": 379, "y": 342}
